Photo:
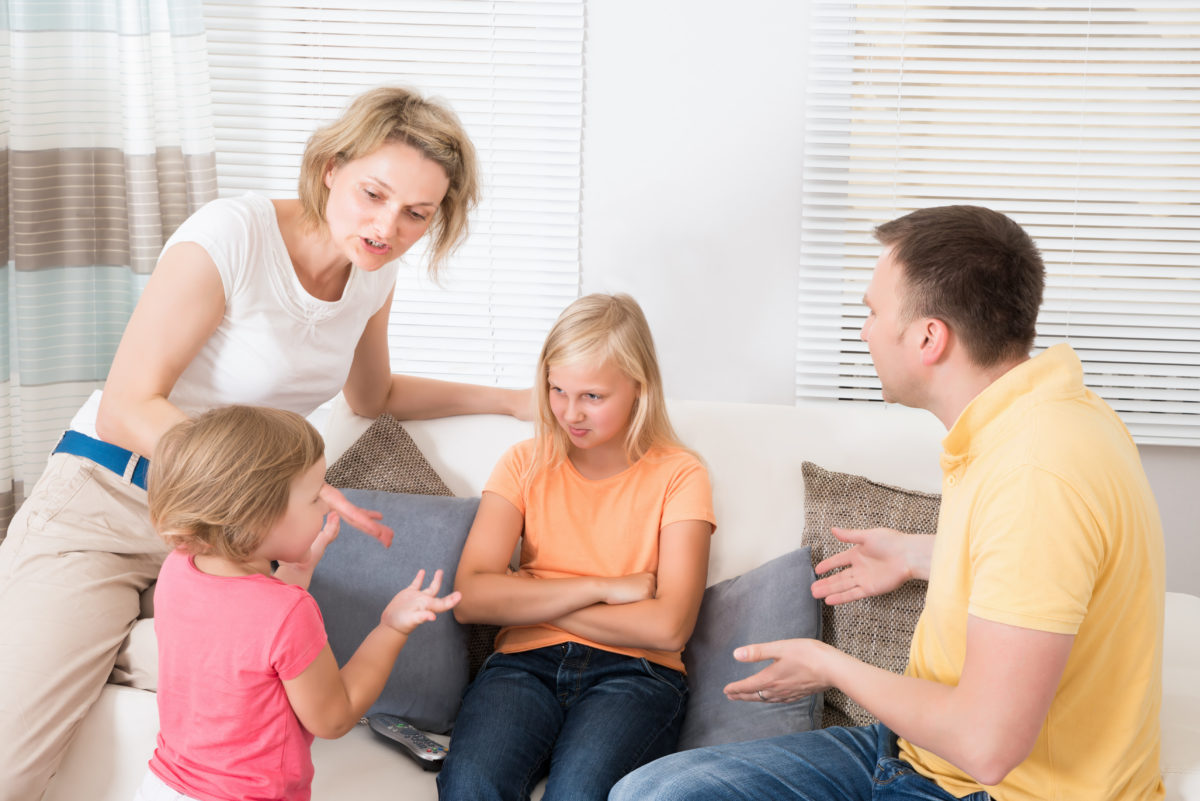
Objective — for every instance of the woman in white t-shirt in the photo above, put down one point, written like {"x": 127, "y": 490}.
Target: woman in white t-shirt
{"x": 267, "y": 302}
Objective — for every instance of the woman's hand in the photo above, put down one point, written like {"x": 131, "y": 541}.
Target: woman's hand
{"x": 300, "y": 573}
{"x": 413, "y": 606}
{"x": 880, "y": 560}
{"x": 365, "y": 520}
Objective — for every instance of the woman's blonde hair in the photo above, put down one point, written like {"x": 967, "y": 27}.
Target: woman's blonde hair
{"x": 218, "y": 482}
{"x": 395, "y": 114}
{"x": 595, "y": 330}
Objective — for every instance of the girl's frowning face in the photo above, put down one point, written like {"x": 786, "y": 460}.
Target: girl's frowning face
{"x": 592, "y": 403}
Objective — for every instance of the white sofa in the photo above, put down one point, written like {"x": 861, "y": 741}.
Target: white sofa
{"x": 754, "y": 453}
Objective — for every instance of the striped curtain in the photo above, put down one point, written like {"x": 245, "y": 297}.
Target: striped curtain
{"x": 106, "y": 146}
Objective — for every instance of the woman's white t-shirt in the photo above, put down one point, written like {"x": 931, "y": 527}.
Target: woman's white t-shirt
{"x": 277, "y": 345}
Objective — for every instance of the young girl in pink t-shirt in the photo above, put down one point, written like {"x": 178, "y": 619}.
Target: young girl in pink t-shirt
{"x": 614, "y": 518}
{"x": 246, "y": 677}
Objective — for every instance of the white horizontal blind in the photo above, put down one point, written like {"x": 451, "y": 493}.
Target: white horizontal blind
{"x": 1079, "y": 120}
{"x": 513, "y": 71}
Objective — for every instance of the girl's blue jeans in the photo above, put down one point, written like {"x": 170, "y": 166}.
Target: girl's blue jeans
{"x": 582, "y": 715}
{"x": 836, "y": 764}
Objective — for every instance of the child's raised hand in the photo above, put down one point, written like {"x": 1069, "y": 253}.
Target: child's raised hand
{"x": 300, "y": 573}
{"x": 631, "y": 589}
{"x": 413, "y": 606}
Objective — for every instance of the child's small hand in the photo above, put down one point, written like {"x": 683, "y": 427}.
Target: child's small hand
{"x": 631, "y": 589}
{"x": 300, "y": 573}
{"x": 413, "y": 606}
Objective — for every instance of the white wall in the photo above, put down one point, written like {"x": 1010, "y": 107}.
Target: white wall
{"x": 692, "y": 163}
{"x": 691, "y": 198}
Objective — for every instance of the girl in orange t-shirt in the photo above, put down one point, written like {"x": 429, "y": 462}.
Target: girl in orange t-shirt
{"x": 614, "y": 517}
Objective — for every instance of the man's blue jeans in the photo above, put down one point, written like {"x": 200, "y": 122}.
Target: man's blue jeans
{"x": 584, "y": 715}
{"x": 836, "y": 764}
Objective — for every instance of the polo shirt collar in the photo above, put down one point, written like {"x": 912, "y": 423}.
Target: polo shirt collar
{"x": 993, "y": 413}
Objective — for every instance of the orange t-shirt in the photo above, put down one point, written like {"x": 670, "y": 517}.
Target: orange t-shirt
{"x": 578, "y": 527}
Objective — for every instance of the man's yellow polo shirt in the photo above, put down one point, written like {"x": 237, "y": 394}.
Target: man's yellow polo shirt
{"x": 1048, "y": 523}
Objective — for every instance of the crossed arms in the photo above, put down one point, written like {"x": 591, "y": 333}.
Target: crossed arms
{"x": 642, "y": 610}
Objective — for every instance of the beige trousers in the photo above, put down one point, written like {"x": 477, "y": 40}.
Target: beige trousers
{"x": 78, "y": 554}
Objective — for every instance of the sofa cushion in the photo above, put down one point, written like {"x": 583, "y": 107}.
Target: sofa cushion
{"x": 876, "y": 630}
{"x": 385, "y": 457}
{"x": 770, "y": 602}
{"x": 357, "y": 577}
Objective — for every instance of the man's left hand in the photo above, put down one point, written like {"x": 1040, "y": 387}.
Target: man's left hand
{"x": 794, "y": 671}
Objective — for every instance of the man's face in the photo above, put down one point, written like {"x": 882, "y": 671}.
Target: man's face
{"x": 889, "y": 337}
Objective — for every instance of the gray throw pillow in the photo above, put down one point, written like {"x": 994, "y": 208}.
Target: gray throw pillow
{"x": 877, "y": 630}
{"x": 385, "y": 457}
{"x": 771, "y": 602}
{"x": 357, "y": 577}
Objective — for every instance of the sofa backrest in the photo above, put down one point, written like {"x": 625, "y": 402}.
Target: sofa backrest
{"x": 753, "y": 453}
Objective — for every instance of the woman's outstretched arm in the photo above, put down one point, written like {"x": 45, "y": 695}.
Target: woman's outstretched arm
{"x": 372, "y": 388}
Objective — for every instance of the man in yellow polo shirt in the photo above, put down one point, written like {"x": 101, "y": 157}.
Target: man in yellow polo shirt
{"x": 1036, "y": 667}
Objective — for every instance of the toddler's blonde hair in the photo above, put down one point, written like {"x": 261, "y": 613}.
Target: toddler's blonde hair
{"x": 218, "y": 482}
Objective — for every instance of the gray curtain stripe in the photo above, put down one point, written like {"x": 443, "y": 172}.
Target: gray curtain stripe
{"x": 5, "y": 240}
{"x": 94, "y": 176}
{"x": 83, "y": 207}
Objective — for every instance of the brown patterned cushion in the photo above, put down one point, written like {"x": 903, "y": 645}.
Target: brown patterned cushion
{"x": 386, "y": 458}
{"x": 876, "y": 630}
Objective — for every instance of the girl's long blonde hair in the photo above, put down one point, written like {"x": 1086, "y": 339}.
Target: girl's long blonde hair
{"x": 598, "y": 329}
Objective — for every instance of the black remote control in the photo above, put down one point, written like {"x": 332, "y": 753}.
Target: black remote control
{"x": 422, "y": 750}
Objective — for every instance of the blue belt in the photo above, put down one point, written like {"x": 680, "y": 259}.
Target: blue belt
{"x": 126, "y": 464}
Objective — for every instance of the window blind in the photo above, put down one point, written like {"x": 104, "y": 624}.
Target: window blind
{"x": 1080, "y": 120}
{"x": 512, "y": 71}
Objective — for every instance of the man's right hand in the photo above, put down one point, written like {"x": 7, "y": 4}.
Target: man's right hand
{"x": 880, "y": 560}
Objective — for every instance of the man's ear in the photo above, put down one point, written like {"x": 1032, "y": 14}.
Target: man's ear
{"x": 935, "y": 340}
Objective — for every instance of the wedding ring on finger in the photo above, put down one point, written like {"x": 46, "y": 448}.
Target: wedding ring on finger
{"x": 762, "y": 697}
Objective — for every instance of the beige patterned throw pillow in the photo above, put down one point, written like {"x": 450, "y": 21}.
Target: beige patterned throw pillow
{"x": 386, "y": 458}
{"x": 876, "y": 630}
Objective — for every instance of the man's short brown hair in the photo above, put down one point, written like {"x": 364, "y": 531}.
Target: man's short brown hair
{"x": 976, "y": 270}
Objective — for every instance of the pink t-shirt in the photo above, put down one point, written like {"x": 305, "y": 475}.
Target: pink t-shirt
{"x": 225, "y": 646}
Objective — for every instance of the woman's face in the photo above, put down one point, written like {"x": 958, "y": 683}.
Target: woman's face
{"x": 381, "y": 203}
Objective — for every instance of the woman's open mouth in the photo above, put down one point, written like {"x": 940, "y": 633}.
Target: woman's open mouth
{"x": 378, "y": 248}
